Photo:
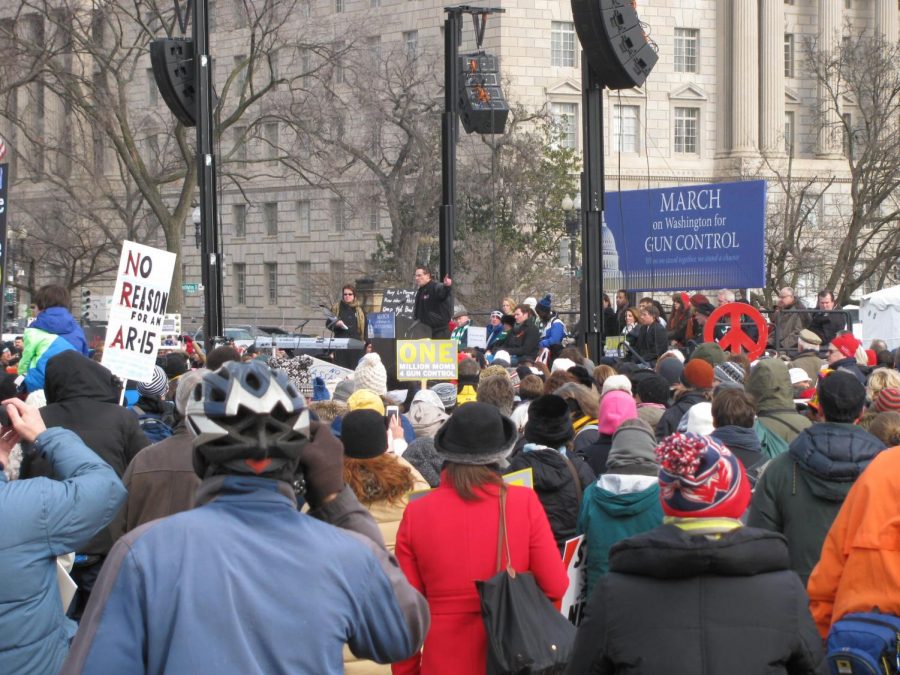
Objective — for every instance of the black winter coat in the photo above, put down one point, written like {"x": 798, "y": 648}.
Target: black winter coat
{"x": 650, "y": 342}
{"x": 555, "y": 487}
{"x": 597, "y": 453}
{"x": 83, "y": 396}
{"x": 523, "y": 339}
{"x": 433, "y": 307}
{"x": 668, "y": 423}
{"x": 686, "y": 604}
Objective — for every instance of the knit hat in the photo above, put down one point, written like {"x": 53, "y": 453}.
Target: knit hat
{"x": 476, "y": 434}
{"x": 364, "y": 399}
{"x": 698, "y": 419}
{"x": 364, "y": 434}
{"x": 615, "y": 407}
{"x": 698, "y": 374}
{"x": 428, "y": 397}
{"x": 530, "y": 301}
{"x": 846, "y": 344}
{"x": 710, "y": 352}
{"x": 370, "y": 374}
{"x": 798, "y": 375}
{"x": 887, "y": 399}
{"x": 545, "y": 302}
{"x": 343, "y": 390}
{"x": 633, "y": 449}
{"x": 561, "y": 364}
{"x": 699, "y": 299}
{"x": 497, "y": 313}
{"x": 501, "y": 358}
{"x": 320, "y": 391}
{"x": 616, "y": 383}
{"x": 700, "y": 478}
{"x": 809, "y": 337}
{"x": 157, "y": 386}
{"x": 421, "y": 454}
{"x": 447, "y": 393}
{"x": 549, "y": 421}
{"x": 728, "y": 371}
{"x": 670, "y": 370}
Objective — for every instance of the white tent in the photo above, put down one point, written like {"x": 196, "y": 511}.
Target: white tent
{"x": 879, "y": 313}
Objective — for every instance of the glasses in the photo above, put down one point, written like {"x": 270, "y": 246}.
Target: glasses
{"x": 348, "y": 294}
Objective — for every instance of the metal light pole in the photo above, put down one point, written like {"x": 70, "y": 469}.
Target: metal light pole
{"x": 572, "y": 209}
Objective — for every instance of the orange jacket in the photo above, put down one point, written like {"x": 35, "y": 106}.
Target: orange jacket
{"x": 859, "y": 569}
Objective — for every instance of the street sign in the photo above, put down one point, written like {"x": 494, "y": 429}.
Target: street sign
{"x": 190, "y": 288}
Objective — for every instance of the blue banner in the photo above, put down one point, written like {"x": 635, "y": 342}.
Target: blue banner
{"x": 685, "y": 238}
{"x": 381, "y": 325}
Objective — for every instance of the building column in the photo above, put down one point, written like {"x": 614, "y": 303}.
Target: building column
{"x": 771, "y": 68}
{"x": 829, "y": 142}
{"x": 886, "y": 21}
{"x": 723, "y": 77}
{"x": 745, "y": 76}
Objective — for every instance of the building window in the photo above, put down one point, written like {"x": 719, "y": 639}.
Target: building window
{"x": 809, "y": 209}
{"x": 305, "y": 63}
{"x": 339, "y": 74}
{"x": 336, "y": 270}
{"x": 272, "y": 282}
{"x": 562, "y": 44}
{"x": 625, "y": 128}
{"x": 303, "y": 224}
{"x": 566, "y": 117}
{"x": 686, "y": 49}
{"x": 375, "y": 218}
{"x": 339, "y": 6}
{"x": 270, "y": 134}
{"x": 241, "y": 69}
{"x": 304, "y": 283}
{"x": 240, "y": 143}
{"x": 788, "y": 54}
{"x": 374, "y": 4}
{"x": 686, "y": 130}
{"x": 270, "y": 216}
{"x": 152, "y": 89}
{"x": 240, "y": 283}
{"x": 850, "y": 137}
{"x": 373, "y": 44}
{"x": 337, "y": 215}
{"x": 789, "y": 132}
{"x": 239, "y": 216}
{"x": 410, "y": 44}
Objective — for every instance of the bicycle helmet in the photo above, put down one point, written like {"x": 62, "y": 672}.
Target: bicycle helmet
{"x": 247, "y": 419}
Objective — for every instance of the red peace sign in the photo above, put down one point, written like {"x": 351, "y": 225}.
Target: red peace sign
{"x": 736, "y": 339}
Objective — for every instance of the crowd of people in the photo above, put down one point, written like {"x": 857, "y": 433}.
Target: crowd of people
{"x": 732, "y": 511}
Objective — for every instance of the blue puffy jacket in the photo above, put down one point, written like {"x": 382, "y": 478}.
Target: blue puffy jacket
{"x": 59, "y": 321}
{"x": 42, "y": 519}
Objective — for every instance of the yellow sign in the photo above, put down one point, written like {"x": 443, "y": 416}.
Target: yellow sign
{"x": 522, "y": 478}
{"x": 426, "y": 360}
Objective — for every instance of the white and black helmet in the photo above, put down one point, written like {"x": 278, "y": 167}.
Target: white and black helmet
{"x": 247, "y": 419}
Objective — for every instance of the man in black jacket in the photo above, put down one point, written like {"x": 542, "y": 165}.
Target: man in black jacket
{"x": 524, "y": 339}
{"x": 83, "y": 396}
{"x": 434, "y": 304}
{"x": 702, "y": 593}
{"x": 825, "y": 324}
{"x": 650, "y": 340}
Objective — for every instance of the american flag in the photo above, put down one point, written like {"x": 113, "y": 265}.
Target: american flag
{"x": 2, "y": 149}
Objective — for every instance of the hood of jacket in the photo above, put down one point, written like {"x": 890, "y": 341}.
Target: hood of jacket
{"x": 737, "y": 438}
{"x": 551, "y": 473}
{"x": 425, "y": 418}
{"x": 668, "y": 552}
{"x": 770, "y": 384}
{"x": 624, "y": 498}
{"x": 70, "y": 375}
{"x": 56, "y": 320}
{"x": 834, "y": 452}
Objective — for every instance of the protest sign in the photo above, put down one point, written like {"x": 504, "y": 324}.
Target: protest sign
{"x": 685, "y": 238}
{"x": 476, "y": 336}
{"x": 381, "y": 324}
{"x": 136, "y": 315}
{"x": 523, "y": 478}
{"x": 426, "y": 360}
{"x": 399, "y": 302}
{"x": 575, "y": 598}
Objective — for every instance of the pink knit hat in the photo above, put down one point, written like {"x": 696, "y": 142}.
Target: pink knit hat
{"x": 615, "y": 407}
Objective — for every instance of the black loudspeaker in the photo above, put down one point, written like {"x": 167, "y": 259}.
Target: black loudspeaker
{"x": 482, "y": 108}
{"x": 614, "y": 42}
{"x": 173, "y": 69}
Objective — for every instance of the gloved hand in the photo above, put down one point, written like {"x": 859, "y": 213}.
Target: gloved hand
{"x": 323, "y": 463}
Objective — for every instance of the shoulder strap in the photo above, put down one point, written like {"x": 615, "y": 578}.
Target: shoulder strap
{"x": 503, "y": 537}
{"x": 773, "y": 413}
{"x": 575, "y": 477}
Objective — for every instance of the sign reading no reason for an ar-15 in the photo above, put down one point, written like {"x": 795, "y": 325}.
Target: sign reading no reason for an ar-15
{"x": 137, "y": 311}
{"x": 426, "y": 360}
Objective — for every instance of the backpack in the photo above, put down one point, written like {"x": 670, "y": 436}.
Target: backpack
{"x": 154, "y": 428}
{"x": 771, "y": 444}
{"x": 864, "y": 642}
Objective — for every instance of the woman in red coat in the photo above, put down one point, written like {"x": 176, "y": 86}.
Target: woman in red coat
{"x": 448, "y": 540}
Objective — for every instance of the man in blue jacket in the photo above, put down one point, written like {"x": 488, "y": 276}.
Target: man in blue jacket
{"x": 245, "y": 583}
{"x": 43, "y": 519}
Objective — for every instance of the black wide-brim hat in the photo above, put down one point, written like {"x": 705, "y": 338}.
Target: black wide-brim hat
{"x": 477, "y": 434}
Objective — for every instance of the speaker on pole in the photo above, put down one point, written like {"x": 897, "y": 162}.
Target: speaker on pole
{"x": 614, "y": 42}
{"x": 173, "y": 69}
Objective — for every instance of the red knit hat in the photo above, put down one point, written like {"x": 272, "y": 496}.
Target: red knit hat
{"x": 887, "y": 399}
{"x": 700, "y": 478}
{"x": 698, "y": 374}
{"x": 846, "y": 344}
{"x": 699, "y": 299}
{"x": 871, "y": 357}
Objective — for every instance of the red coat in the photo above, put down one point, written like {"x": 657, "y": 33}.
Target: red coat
{"x": 445, "y": 544}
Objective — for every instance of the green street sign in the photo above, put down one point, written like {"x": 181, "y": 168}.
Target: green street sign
{"x": 190, "y": 288}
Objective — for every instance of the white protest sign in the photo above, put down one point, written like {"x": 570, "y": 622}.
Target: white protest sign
{"x": 476, "y": 336}
{"x": 575, "y": 598}
{"x": 136, "y": 314}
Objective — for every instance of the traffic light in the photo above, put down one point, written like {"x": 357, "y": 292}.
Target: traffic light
{"x": 85, "y": 305}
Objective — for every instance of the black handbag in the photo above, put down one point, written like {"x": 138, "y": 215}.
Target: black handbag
{"x": 526, "y": 634}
